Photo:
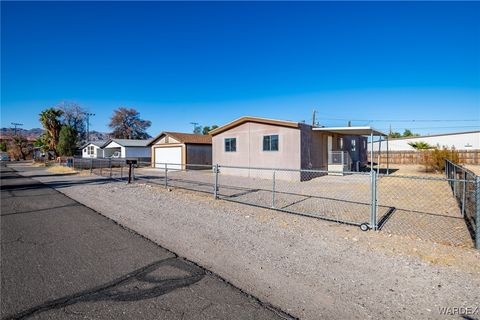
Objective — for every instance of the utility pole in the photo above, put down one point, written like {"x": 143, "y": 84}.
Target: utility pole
{"x": 15, "y": 124}
{"x": 88, "y": 115}
{"x": 195, "y": 125}
{"x": 313, "y": 118}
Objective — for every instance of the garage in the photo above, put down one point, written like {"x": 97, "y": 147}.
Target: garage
{"x": 172, "y": 156}
{"x": 179, "y": 150}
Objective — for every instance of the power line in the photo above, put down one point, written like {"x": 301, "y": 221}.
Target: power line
{"x": 403, "y": 120}
{"x": 15, "y": 124}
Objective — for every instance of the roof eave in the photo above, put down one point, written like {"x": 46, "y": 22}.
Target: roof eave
{"x": 362, "y": 131}
{"x": 242, "y": 120}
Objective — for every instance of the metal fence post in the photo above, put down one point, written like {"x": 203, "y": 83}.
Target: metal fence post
{"x": 373, "y": 204}
{"x": 215, "y": 190}
{"x": 477, "y": 215}
{"x": 464, "y": 196}
{"x": 91, "y": 165}
{"x": 455, "y": 181}
{"x": 273, "y": 190}
{"x": 110, "y": 168}
{"x": 121, "y": 171}
{"x": 166, "y": 176}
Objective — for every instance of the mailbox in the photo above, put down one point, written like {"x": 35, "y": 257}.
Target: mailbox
{"x": 130, "y": 161}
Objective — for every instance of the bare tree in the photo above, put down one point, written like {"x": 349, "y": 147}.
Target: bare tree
{"x": 74, "y": 115}
{"x": 126, "y": 124}
{"x": 19, "y": 147}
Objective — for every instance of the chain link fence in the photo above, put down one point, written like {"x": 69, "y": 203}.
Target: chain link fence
{"x": 440, "y": 209}
{"x": 464, "y": 185}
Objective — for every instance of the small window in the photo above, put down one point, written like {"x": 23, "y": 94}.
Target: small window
{"x": 354, "y": 145}
{"x": 230, "y": 144}
{"x": 340, "y": 143}
{"x": 270, "y": 143}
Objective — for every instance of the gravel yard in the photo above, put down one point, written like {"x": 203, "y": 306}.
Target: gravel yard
{"x": 419, "y": 208}
{"x": 308, "y": 267}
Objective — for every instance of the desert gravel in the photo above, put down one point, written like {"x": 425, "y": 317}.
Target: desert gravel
{"x": 309, "y": 268}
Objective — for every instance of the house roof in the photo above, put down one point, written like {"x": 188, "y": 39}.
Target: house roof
{"x": 128, "y": 142}
{"x": 242, "y": 120}
{"x": 185, "y": 137}
{"x": 98, "y": 143}
{"x": 357, "y": 131}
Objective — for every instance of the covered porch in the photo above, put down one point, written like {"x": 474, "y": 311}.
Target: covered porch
{"x": 349, "y": 156}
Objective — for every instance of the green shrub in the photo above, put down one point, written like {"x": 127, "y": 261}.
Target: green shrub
{"x": 434, "y": 160}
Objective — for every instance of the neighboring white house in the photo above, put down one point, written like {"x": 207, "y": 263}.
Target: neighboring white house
{"x": 93, "y": 149}
{"x": 459, "y": 140}
{"x": 127, "y": 148}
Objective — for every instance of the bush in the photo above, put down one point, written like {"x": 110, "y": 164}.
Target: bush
{"x": 67, "y": 141}
{"x": 434, "y": 160}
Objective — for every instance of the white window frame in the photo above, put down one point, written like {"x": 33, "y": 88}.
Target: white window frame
{"x": 225, "y": 144}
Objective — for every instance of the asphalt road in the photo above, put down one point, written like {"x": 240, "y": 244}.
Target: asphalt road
{"x": 60, "y": 259}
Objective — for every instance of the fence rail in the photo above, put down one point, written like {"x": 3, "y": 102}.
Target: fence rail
{"x": 465, "y": 188}
{"x": 419, "y": 206}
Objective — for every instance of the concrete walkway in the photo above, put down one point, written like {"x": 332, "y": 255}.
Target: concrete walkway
{"x": 60, "y": 259}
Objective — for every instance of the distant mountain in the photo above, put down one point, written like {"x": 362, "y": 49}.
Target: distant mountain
{"x": 35, "y": 133}
{"x": 31, "y": 134}
{"x": 96, "y": 135}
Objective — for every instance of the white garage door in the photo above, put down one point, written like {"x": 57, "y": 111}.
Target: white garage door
{"x": 172, "y": 156}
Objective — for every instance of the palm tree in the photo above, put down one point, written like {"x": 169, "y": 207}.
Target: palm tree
{"x": 420, "y": 145}
{"x": 50, "y": 119}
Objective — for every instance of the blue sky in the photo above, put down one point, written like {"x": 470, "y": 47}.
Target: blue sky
{"x": 212, "y": 62}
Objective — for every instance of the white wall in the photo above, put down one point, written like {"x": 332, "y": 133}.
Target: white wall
{"x": 464, "y": 141}
{"x": 98, "y": 152}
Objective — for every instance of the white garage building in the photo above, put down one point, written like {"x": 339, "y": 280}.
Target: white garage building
{"x": 459, "y": 140}
{"x": 127, "y": 148}
{"x": 177, "y": 150}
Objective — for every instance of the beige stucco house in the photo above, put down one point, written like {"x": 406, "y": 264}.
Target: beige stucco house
{"x": 267, "y": 143}
{"x": 178, "y": 150}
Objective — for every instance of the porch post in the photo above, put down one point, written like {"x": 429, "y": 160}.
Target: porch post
{"x": 388, "y": 158}
{"x": 379, "y": 152}
{"x": 371, "y": 150}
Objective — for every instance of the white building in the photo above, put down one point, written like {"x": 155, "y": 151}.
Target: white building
{"x": 459, "y": 140}
{"x": 127, "y": 148}
{"x": 93, "y": 149}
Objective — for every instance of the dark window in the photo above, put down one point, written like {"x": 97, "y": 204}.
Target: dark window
{"x": 230, "y": 144}
{"x": 270, "y": 143}
{"x": 354, "y": 145}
